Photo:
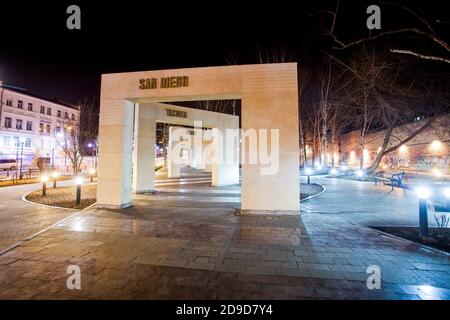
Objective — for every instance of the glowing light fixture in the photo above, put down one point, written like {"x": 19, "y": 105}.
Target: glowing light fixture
{"x": 44, "y": 178}
{"x": 436, "y": 145}
{"x": 403, "y": 149}
{"x": 78, "y": 180}
{"x": 423, "y": 192}
{"x": 447, "y": 192}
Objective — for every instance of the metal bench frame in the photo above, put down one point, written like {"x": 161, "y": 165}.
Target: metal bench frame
{"x": 395, "y": 180}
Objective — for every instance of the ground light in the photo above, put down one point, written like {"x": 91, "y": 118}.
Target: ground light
{"x": 447, "y": 196}
{"x": 55, "y": 176}
{"x": 92, "y": 172}
{"x": 78, "y": 181}
{"x": 423, "y": 193}
{"x": 309, "y": 172}
{"x": 360, "y": 173}
{"x": 44, "y": 180}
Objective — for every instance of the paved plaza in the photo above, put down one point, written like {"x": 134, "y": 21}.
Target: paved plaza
{"x": 186, "y": 242}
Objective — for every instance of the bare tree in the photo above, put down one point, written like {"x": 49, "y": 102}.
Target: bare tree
{"x": 79, "y": 132}
{"x": 424, "y": 29}
{"x": 385, "y": 95}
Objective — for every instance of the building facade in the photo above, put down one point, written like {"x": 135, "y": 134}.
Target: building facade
{"x": 33, "y": 127}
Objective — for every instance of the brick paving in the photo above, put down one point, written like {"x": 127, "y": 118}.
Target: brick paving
{"x": 182, "y": 248}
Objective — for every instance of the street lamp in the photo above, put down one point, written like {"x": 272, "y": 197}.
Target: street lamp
{"x": 309, "y": 172}
{"x": 423, "y": 193}
{"x": 55, "y": 176}
{"x": 92, "y": 172}
{"x": 22, "y": 142}
{"x": 44, "y": 180}
{"x": 78, "y": 181}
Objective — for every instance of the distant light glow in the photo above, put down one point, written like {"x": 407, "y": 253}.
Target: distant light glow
{"x": 90, "y": 145}
{"x": 436, "y": 145}
{"x": 436, "y": 172}
{"x": 447, "y": 192}
{"x": 55, "y": 175}
{"x": 334, "y": 172}
{"x": 92, "y": 171}
{"x": 403, "y": 149}
{"x": 78, "y": 180}
{"x": 360, "y": 173}
{"x": 309, "y": 171}
{"x": 423, "y": 192}
{"x": 379, "y": 150}
{"x": 44, "y": 178}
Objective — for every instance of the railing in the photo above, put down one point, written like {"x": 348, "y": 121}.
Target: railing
{"x": 394, "y": 180}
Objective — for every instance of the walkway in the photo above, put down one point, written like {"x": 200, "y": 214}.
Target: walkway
{"x": 194, "y": 249}
{"x": 364, "y": 203}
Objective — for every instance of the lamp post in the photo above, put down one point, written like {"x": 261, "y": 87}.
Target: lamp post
{"x": 309, "y": 172}
{"x": 447, "y": 197}
{"x": 55, "y": 176}
{"x": 423, "y": 193}
{"x": 92, "y": 172}
{"x": 44, "y": 180}
{"x": 78, "y": 181}
{"x": 22, "y": 142}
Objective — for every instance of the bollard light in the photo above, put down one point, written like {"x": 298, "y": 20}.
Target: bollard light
{"x": 447, "y": 196}
{"x": 309, "y": 172}
{"x": 423, "y": 193}
{"x": 55, "y": 176}
{"x": 78, "y": 181}
{"x": 334, "y": 172}
{"x": 92, "y": 172}
{"x": 44, "y": 180}
{"x": 360, "y": 173}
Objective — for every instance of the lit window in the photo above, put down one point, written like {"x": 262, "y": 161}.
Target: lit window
{"x": 6, "y": 141}
{"x": 41, "y": 127}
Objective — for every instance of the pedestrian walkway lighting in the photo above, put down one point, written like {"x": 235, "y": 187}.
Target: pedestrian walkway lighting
{"x": 403, "y": 149}
{"x": 423, "y": 193}
{"x": 78, "y": 181}
{"x": 92, "y": 173}
{"x": 309, "y": 172}
{"x": 55, "y": 176}
{"x": 447, "y": 196}
{"x": 334, "y": 172}
{"x": 44, "y": 180}
{"x": 360, "y": 173}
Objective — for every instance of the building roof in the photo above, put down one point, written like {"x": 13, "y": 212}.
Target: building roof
{"x": 37, "y": 96}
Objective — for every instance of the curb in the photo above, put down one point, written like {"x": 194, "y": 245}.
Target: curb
{"x": 424, "y": 246}
{"x": 324, "y": 189}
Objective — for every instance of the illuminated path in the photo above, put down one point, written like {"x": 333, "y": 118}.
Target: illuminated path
{"x": 364, "y": 203}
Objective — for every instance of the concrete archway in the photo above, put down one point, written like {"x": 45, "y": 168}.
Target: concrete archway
{"x": 269, "y": 96}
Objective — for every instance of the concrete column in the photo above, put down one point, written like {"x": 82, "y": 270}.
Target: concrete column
{"x": 143, "y": 152}
{"x": 207, "y": 156}
{"x": 173, "y": 167}
{"x": 115, "y": 153}
{"x": 225, "y": 166}
{"x": 277, "y": 108}
{"x": 197, "y": 150}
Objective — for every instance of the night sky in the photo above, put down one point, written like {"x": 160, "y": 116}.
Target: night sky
{"x": 39, "y": 53}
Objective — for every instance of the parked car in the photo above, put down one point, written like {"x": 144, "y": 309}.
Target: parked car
{"x": 8, "y": 164}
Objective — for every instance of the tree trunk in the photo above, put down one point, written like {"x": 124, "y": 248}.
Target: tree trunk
{"x": 361, "y": 147}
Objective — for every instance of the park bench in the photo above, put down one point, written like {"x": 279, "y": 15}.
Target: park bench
{"x": 393, "y": 179}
